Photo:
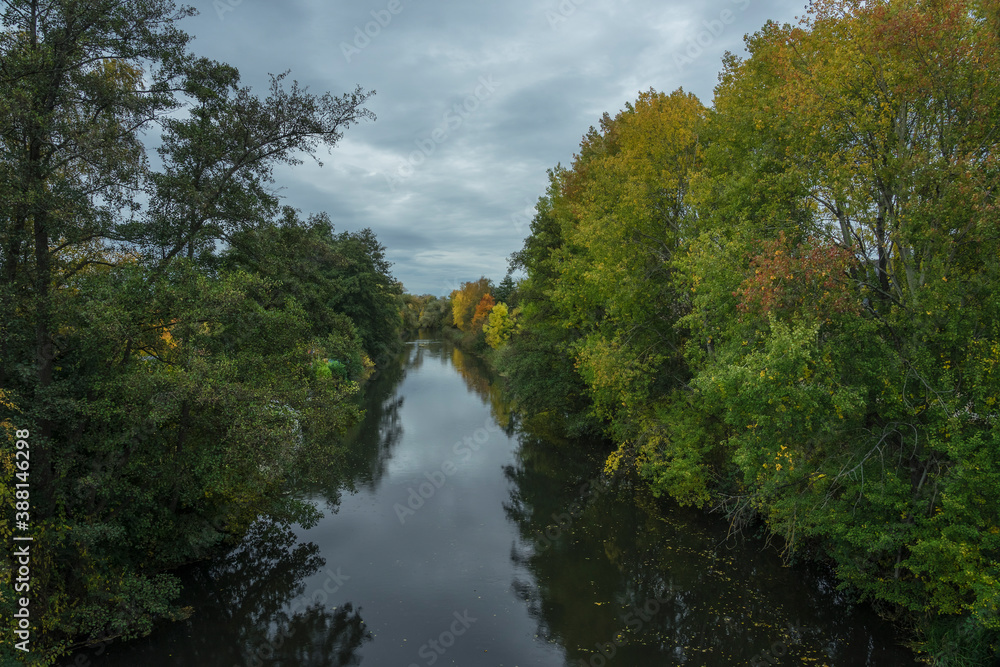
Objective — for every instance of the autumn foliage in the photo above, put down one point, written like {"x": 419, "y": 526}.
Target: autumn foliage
{"x": 786, "y": 307}
{"x": 482, "y": 312}
{"x": 811, "y": 278}
{"x": 465, "y": 300}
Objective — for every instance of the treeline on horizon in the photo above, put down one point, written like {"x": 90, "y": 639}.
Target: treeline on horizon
{"x": 787, "y": 306}
{"x": 176, "y": 365}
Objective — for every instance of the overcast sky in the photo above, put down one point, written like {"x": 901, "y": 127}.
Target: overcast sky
{"x": 475, "y": 101}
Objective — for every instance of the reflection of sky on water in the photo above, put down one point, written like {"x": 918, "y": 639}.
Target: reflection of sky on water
{"x": 439, "y": 511}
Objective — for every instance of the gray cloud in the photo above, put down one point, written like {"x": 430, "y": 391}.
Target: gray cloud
{"x": 460, "y": 210}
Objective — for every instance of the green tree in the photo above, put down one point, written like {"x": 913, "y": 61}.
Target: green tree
{"x": 342, "y": 280}
{"x": 786, "y": 305}
{"x": 506, "y": 291}
{"x": 833, "y": 336}
{"x": 71, "y": 108}
{"x": 218, "y": 163}
{"x": 168, "y": 396}
{"x": 539, "y": 362}
{"x": 436, "y": 314}
{"x": 600, "y": 257}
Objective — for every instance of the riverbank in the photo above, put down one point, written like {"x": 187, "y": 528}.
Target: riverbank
{"x": 458, "y": 527}
{"x": 744, "y": 521}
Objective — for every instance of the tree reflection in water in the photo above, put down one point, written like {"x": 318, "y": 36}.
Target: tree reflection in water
{"x": 587, "y": 580}
{"x": 613, "y": 569}
{"x": 254, "y": 610}
{"x": 363, "y": 464}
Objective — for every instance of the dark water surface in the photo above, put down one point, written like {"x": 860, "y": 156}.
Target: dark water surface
{"x": 458, "y": 537}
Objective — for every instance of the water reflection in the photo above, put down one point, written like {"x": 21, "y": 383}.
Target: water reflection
{"x": 618, "y": 578}
{"x": 362, "y": 465}
{"x": 480, "y": 380}
{"x": 253, "y": 609}
{"x": 519, "y": 534}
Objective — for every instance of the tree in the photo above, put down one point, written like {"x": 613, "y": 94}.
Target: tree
{"x": 218, "y": 163}
{"x": 500, "y": 325}
{"x": 333, "y": 276}
{"x": 436, "y": 314}
{"x": 600, "y": 257}
{"x": 506, "y": 291}
{"x": 168, "y": 396}
{"x": 786, "y": 305}
{"x": 483, "y": 309}
{"x": 539, "y": 364}
{"x": 71, "y": 110}
{"x": 853, "y": 154}
{"x": 465, "y": 300}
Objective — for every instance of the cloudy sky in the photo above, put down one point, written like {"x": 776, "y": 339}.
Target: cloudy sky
{"x": 475, "y": 101}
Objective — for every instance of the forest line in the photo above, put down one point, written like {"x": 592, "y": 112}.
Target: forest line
{"x": 177, "y": 348}
{"x": 785, "y": 306}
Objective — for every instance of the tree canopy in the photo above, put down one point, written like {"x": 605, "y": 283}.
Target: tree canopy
{"x": 165, "y": 359}
{"x": 785, "y": 306}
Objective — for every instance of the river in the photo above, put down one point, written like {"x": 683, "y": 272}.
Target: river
{"x": 454, "y": 535}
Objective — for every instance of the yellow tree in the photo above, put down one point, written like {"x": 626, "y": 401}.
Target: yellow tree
{"x": 465, "y": 300}
{"x": 500, "y": 326}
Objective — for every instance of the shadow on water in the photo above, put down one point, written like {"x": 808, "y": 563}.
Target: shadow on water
{"x": 520, "y": 533}
{"x": 253, "y": 610}
{"x": 619, "y": 578}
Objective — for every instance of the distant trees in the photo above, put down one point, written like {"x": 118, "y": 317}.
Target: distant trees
{"x": 435, "y": 314}
{"x": 477, "y": 313}
{"x": 483, "y": 309}
{"x": 467, "y": 309}
{"x": 465, "y": 300}
{"x": 425, "y": 311}
{"x": 500, "y": 325}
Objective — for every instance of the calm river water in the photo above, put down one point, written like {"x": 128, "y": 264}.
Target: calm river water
{"x": 458, "y": 537}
